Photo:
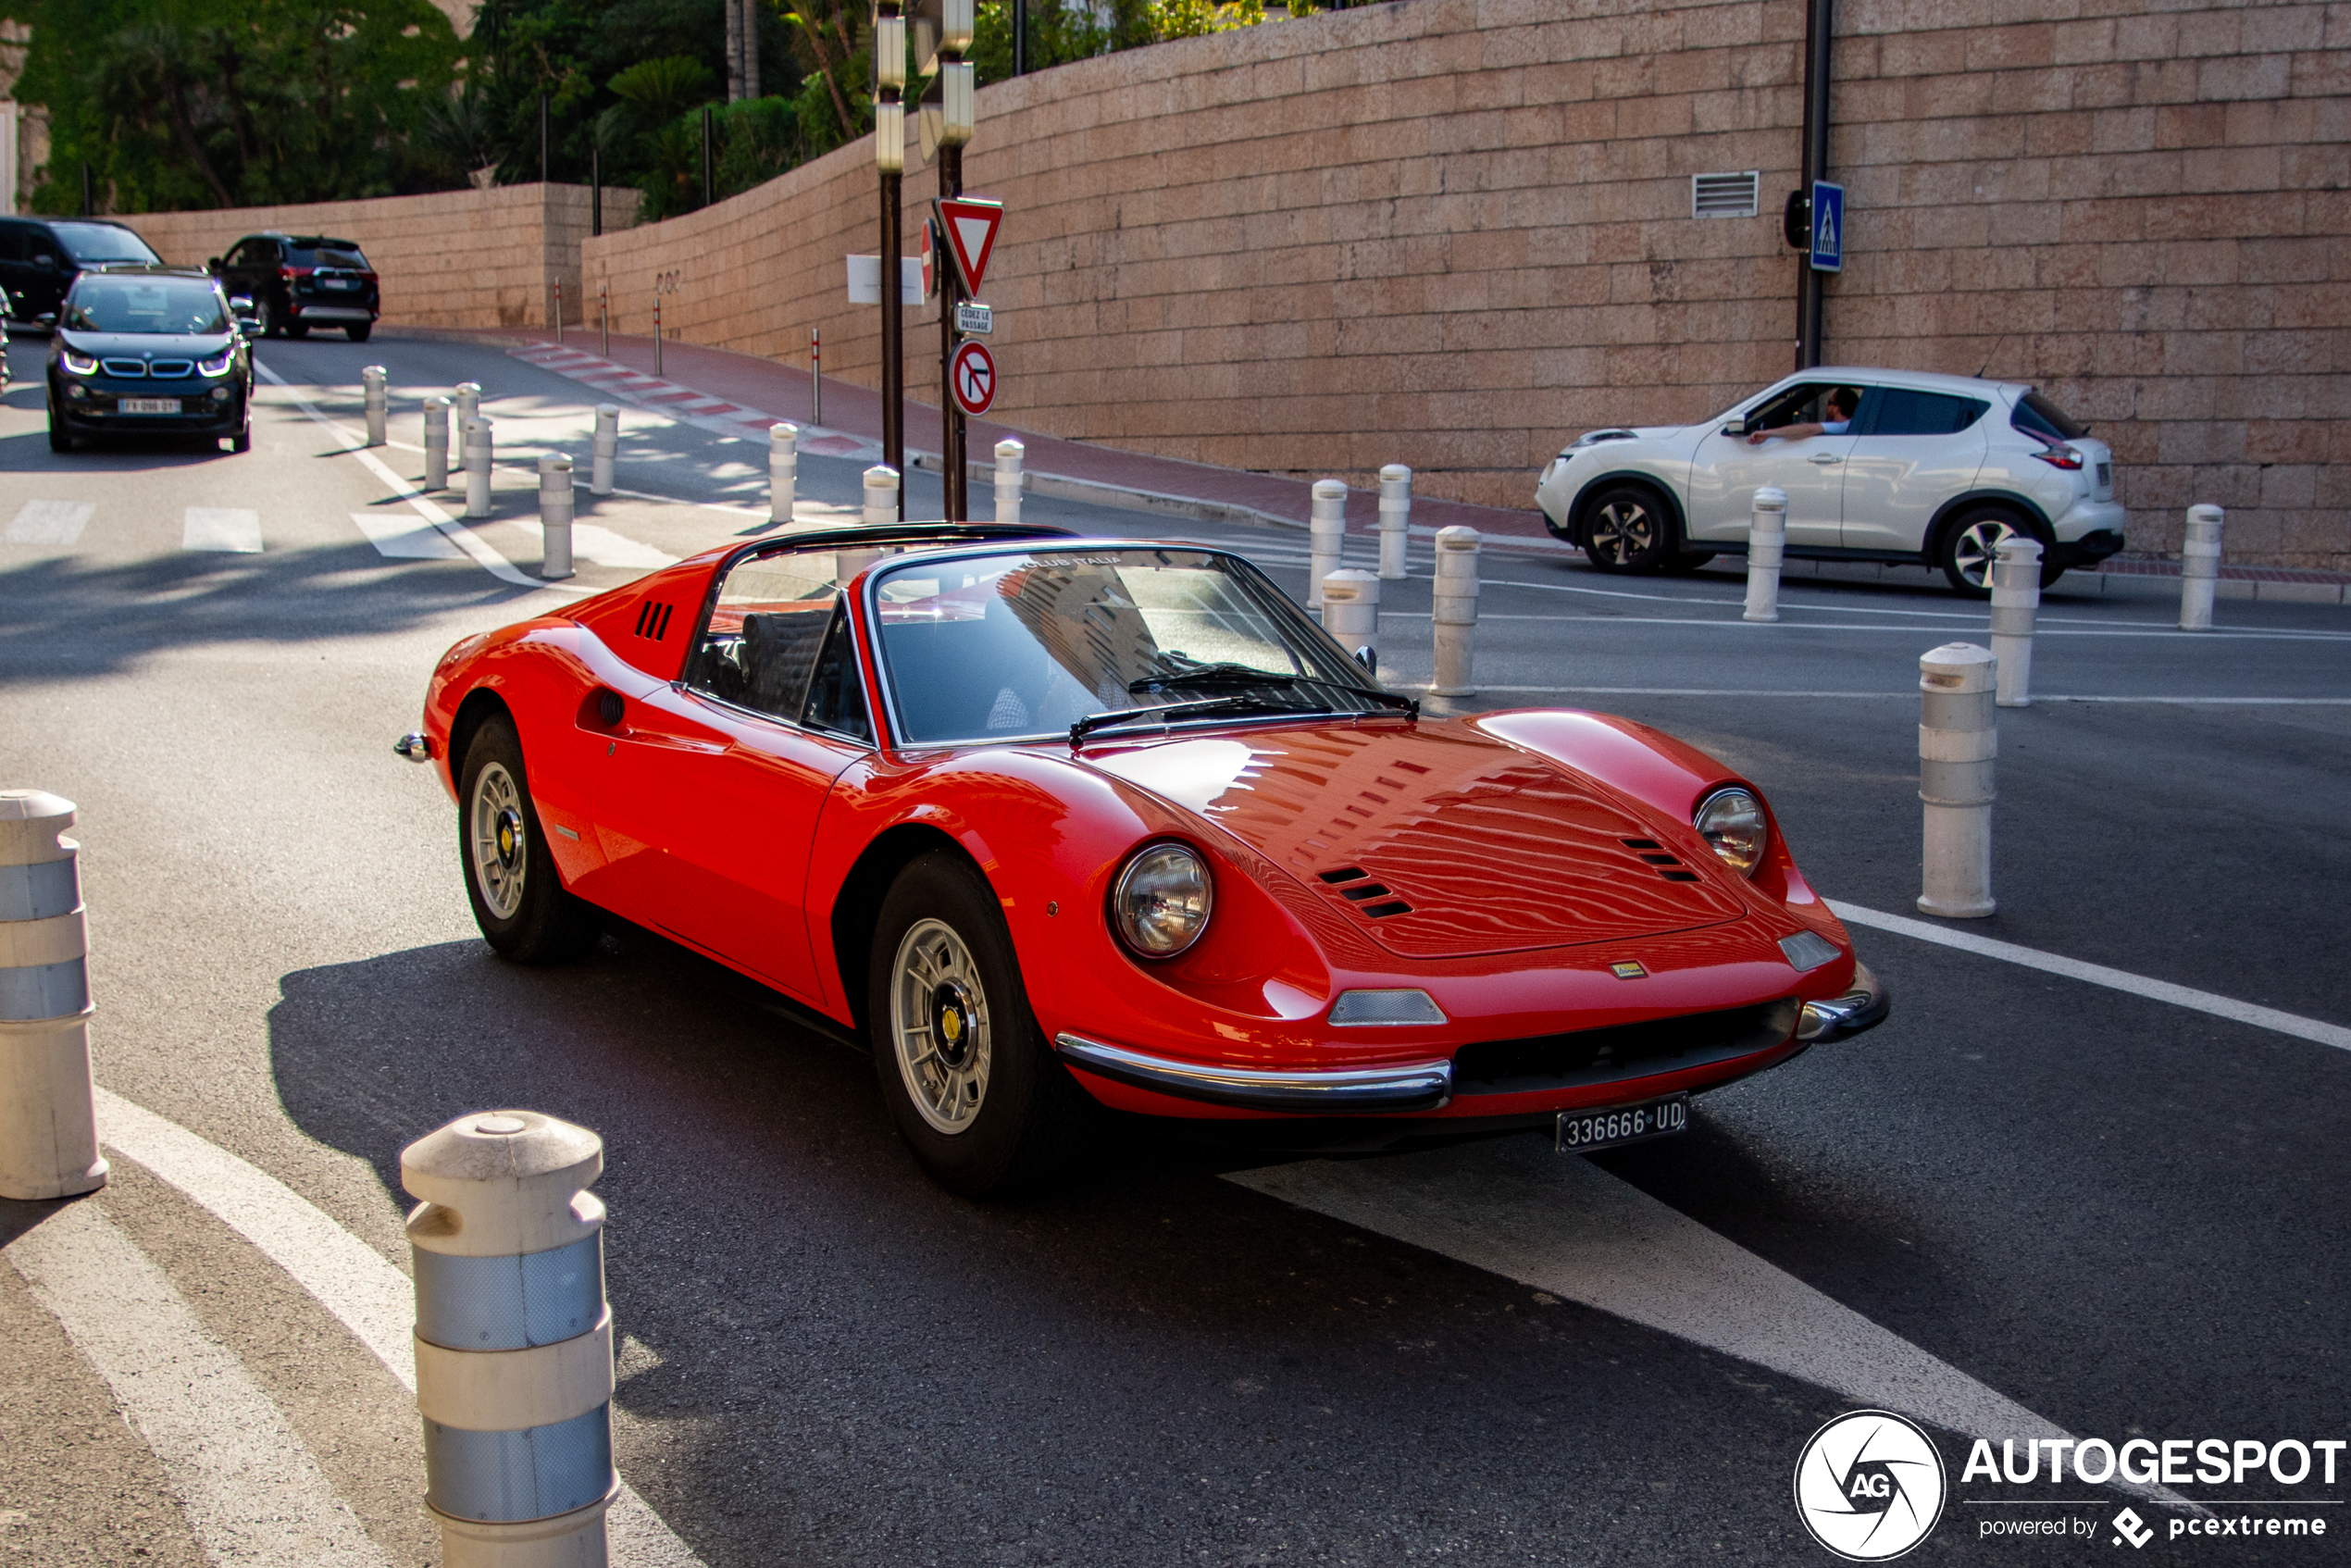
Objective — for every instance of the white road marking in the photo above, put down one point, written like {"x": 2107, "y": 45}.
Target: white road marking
{"x": 233, "y": 529}
{"x": 351, "y": 1279}
{"x": 49, "y": 522}
{"x": 2238, "y": 1012}
{"x": 1566, "y": 1226}
{"x": 405, "y": 538}
{"x": 593, "y": 541}
{"x": 251, "y": 1492}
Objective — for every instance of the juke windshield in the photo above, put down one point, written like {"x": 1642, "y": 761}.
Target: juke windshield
{"x": 119, "y": 304}
{"x": 1001, "y": 647}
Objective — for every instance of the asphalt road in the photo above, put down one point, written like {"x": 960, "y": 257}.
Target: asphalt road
{"x": 2125, "y": 1216}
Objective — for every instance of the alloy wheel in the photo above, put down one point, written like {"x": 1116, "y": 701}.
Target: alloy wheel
{"x": 938, "y": 1024}
{"x": 1623, "y": 532}
{"x": 500, "y": 852}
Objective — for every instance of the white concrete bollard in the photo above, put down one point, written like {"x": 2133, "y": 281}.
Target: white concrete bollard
{"x": 1326, "y": 534}
{"x": 469, "y": 404}
{"x": 881, "y": 511}
{"x": 514, "y": 1340}
{"x": 2200, "y": 566}
{"x": 783, "y": 470}
{"x": 435, "y": 442}
{"x": 1009, "y": 457}
{"x": 48, "y": 1123}
{"x": 1395, "y": 519}
{"x": 1456, "y": 609}
{"x": 1959, "y": 738}
{"x": 554, "y": 516}
{"x": 477, "y": 455}
{"x": 378, "y": 393}
{"x": 1766, "y": 545}
{"x": 2016, "y": 597}
{"x": 607, "y": 449}
{"x": 1350, "y": 610}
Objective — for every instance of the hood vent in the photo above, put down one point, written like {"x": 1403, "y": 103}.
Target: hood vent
{"x": 1355, "y": 886}
{"x": 1651, "y": 852}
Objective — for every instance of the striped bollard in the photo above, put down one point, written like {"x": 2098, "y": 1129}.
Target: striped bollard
{"x": 435, "y": 442}
{"x": 469, "y": 404}
{"x": 554, "y": 516}
{"x": 1326, "y": 530}
{"x": 783, "y": 470}
{"x": 2016, "y": 598}
{"x": 1350, "y": 612}
{"x": 1395, "y": 519}
{"x": 477, "y": 455}
{"x": 1959, "y": 738}
{"x": 607, "y": 449}
{"x": 2200, "y": 566}
{"x": 1456, "y": 610}
{"x": 1766, "y": 543}
{"x": 1009, "y": 454}
{"x": 48, "y": 1123}
{"x": 377, "y": 391}
{"x": 514, "y": 1340}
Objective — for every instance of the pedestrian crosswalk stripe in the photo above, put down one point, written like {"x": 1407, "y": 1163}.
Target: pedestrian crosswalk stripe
{"x": 222, "y": 528}
{"x": 591, "y": 541}
{"x": 405, "y": 537}
{"x": 49, "y": 522}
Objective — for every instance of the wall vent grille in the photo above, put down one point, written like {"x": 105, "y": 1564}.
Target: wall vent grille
{"x": 1725, "y": 195}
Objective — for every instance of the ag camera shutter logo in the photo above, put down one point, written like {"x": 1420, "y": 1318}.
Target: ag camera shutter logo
{"x": 1869, "y": 1485}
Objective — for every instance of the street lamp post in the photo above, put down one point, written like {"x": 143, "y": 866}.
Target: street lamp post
{"x": 890, "y": 158}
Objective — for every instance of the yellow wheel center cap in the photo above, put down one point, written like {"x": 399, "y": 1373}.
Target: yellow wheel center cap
{"x": 950, "y": 1024}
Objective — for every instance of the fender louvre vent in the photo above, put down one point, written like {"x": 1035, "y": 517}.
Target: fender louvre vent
{"x": 1346, "y": 879}
{"x": 653, "y": 621}
{"x": 1653, "y": 853}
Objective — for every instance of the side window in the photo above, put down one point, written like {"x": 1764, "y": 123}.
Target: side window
{"x": 1899, "y": 411}
{"x": 837, "y": 691}
{"x": 11, "y": 241}
{"x": 1805, "y": 405}
{"x": 766, "y": 627}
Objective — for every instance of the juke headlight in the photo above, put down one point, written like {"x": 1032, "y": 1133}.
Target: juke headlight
{"x": 1732, "y": 821}
{"x": 1160, "y": 901}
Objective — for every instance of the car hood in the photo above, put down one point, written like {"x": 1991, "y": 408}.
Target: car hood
{"x": 134, "y": 345}
{"x": 1489, "y": 850}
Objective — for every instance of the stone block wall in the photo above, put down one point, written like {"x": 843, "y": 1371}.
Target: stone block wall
{"x": 455, "y": 258}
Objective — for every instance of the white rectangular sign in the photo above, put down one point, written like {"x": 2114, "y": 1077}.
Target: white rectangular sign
{"x": 974, "y": 318}
{"x": 864, "y": 280}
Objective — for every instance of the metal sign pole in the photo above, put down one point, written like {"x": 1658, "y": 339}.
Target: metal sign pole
{"x": 890, "y": 157}
{"x": 956, "y": 19}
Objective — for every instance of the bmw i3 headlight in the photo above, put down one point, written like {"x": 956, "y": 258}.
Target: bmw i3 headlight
{"x": 1732, "y": 821}
{"x": 1160, "y": 901}
{"x": 219, "y": 364}
{"x": 79, "y": 364}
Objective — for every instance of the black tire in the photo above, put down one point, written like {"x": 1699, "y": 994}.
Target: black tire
{"x": 242, "y": 440}
{"x": 297, "y": 331}
{"x": 518, "y": 899}
{"x": 993, "y": 1113}
{"x": 1689, "y": 561}
{"x": 1627, "y": 528}
{"x": 60, "y": 438}
{"x": 358, "y": 332}
{"x": 1965, "y": 549}
{"x": 265, "y": 316}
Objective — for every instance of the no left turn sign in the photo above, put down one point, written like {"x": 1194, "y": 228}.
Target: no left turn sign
{"x": 975, "y": 379}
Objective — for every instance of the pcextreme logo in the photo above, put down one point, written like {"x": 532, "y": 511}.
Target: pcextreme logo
{"x": 1869, "y": 1485}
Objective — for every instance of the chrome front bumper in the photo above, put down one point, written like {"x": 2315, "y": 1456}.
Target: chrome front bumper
{"x": 1422, "y": 1086}
{"x": 1864, "y": 1006}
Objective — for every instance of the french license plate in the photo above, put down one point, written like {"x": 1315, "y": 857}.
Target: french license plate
{"x": 147, "y": 405}
{"x": 1580, "y": 1132}
{"x": 341, "y": 282}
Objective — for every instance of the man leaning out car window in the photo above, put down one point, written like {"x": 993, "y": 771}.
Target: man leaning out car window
{"x": 1841, "y": 404}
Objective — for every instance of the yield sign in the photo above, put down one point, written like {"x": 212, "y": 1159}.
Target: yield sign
{"x": 971, "y": 226}
{"x": 974, "y": 379}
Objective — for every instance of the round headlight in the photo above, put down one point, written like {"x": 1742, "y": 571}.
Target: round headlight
{"x": 1160, "y": 901}
{"x": 1732, "y": 820}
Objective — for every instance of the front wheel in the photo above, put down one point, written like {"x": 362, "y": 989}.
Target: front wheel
{"x": 962, "y": 1066}
{"x": 60, "y": 438}
{"x": 1626, "y": 530}
{"x": 519, "y": 901}
{"x": 264, "y": 317}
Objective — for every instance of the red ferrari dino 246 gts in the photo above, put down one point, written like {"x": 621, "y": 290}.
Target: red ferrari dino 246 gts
{"x": 1045, "y": 817}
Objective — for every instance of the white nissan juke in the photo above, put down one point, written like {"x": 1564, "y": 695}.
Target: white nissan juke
{"x": 1927, "y": 469}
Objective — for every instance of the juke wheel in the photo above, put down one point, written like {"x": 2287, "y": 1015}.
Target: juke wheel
{"x": 518, "y": 899}
{"x": 1971, "y": 546}
{"x": 965, "y": 1071}
{"x": 1626, "y": 530}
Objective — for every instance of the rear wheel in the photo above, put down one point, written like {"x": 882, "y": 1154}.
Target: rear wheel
{"x": 297, "y": 331}
{"x": 962, "y": 1066}
{"x": 1626, "y": 528}
{"x": 1971, "y": 545}
{"x": 519, "y": 901}
{"x": 357, "y": 331}
{"x": 264, "y": 317}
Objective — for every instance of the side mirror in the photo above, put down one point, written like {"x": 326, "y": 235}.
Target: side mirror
{"x": 1734, "y": 426}
{"x": 212, "y": 264}
{"x": 241, "y": 306}
{"x": 1368, "y": 657}
{"x": 46, "y": 261}
{"x": 47, "y": 319}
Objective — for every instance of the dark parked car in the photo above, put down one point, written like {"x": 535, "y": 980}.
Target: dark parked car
{"x": 298, "y": 282}
{"x": 148, "y": 351}
{"x": 40, "y": 259}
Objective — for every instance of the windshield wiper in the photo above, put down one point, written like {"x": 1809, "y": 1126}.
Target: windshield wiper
{"x": 1244, "y": 675}
{"x": 1161, "y": 712}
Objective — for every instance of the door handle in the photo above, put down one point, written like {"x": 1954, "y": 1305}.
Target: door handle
{"x": 1823, "y": 458}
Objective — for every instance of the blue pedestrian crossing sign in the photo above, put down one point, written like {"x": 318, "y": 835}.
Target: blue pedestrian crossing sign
{"x": 1828, "y": 227}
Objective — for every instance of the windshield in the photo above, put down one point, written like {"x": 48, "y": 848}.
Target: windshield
{"x": 1026, "y": 645}
{"x": 92, "y": 242}
{"x": 103, "y": 304}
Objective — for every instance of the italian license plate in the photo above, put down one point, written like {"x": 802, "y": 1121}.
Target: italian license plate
{"x": 1580, "y": 1132}
{"x": 147, "y": 405}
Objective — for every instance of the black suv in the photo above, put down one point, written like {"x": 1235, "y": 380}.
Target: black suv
{"x": 298, "y": 282}
{"x": 40, "y": 258}
{"x": 148, "y": 351}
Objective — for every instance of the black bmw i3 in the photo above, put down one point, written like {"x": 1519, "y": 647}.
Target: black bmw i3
{"x": 149, "y": 351}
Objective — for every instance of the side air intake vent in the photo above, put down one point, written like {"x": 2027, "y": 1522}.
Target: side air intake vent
{"x": 653, "y": 621}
